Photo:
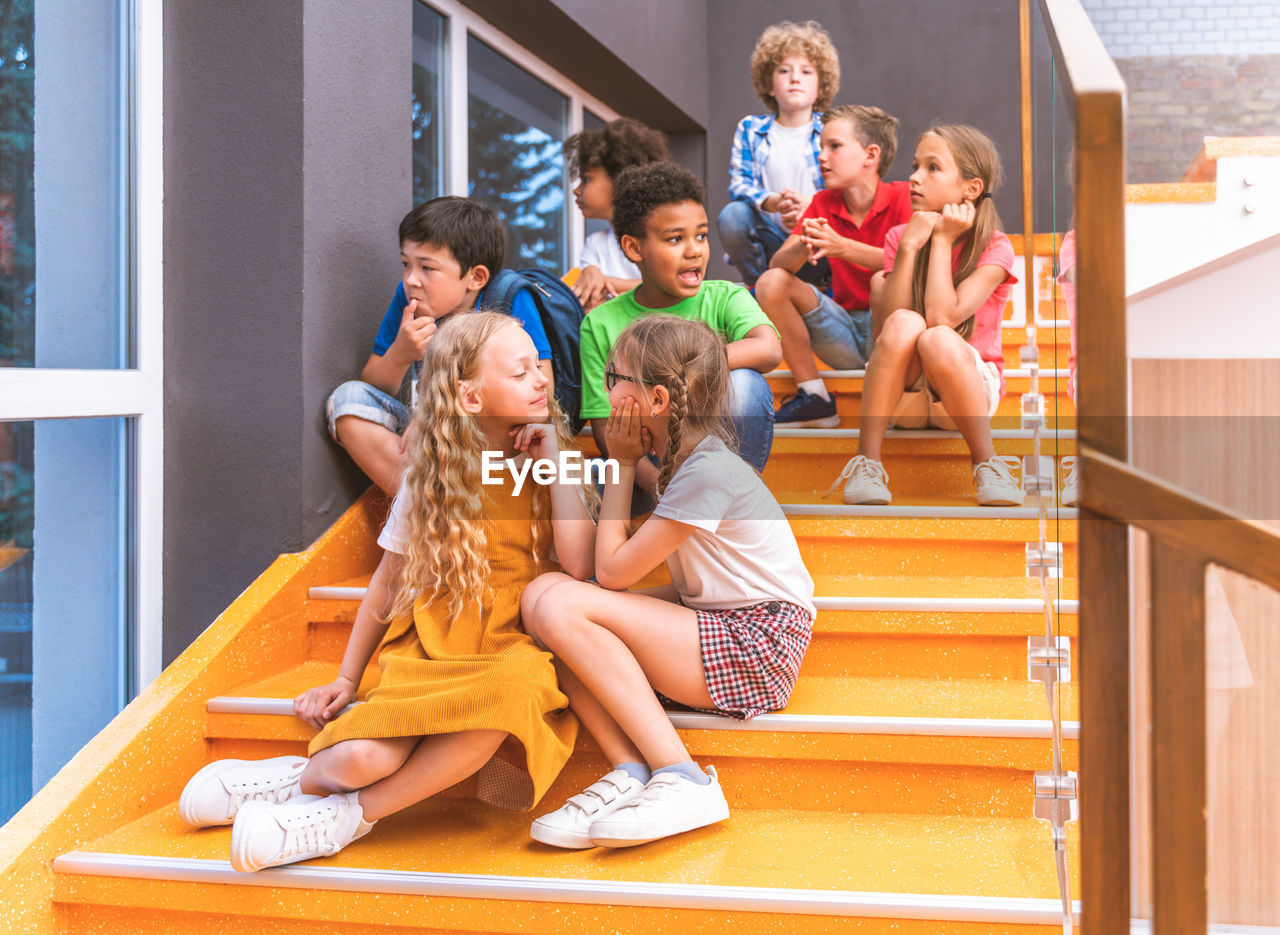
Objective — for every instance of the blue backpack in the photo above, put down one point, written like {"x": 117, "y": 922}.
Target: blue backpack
{"x": 561, "y": 315}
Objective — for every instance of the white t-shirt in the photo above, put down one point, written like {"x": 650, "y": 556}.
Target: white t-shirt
{"x": 742, "y": 550}
{"x": 603, "y": 250}
{"x": 787, "y": 165}
{"x": 395, "y": 532}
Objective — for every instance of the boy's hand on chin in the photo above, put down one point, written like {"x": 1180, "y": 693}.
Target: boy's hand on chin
{"x": 414, "y": 335}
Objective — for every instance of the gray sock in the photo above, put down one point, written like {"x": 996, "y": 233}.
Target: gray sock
{"x": 689, "y": 770}
{"x": 637, "y": 771}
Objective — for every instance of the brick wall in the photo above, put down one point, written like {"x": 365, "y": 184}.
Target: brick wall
{"x": 1193, "y": 70}
{"x": 1133, "y": 28}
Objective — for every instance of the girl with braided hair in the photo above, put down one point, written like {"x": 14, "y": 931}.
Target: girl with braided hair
{"x": 463, "y": 690}
{"x": 726, "y": 636}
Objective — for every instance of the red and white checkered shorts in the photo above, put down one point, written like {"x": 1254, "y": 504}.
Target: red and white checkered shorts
{"x": 751, "y": 656}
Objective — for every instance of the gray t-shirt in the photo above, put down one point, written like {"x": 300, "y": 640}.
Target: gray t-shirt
{"x": 742, "y": 550}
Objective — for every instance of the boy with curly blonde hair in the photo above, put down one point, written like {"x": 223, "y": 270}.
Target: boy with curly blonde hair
{"x": 773, "y": 172}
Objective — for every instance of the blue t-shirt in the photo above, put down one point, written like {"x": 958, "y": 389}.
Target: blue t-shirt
{"x": 522, "y": 309}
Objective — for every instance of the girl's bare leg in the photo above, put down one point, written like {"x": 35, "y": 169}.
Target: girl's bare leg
{"x": 948, "y": 364}
{"x": 894, "y": 365}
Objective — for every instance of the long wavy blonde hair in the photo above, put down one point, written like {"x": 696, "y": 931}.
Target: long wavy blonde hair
{"x": 690, "y": 360}
{"x": 976, "y": 157}
{"x": 448, "y": 536}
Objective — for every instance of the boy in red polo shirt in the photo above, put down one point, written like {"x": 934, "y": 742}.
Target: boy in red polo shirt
{"x": 846, "y": 223}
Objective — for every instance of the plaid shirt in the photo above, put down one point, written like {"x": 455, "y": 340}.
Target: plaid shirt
{"x": 751, "y": 151}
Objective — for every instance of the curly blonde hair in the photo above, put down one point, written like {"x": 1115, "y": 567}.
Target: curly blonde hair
{"x": 690, "y": 360}
{"x": 447, "y": 535}
{"x": 787, "y": 38}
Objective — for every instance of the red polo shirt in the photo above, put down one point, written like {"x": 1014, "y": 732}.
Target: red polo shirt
{"x": 851, "y": 284}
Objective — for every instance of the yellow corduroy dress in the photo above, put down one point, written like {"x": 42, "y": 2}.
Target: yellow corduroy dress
{"x": 480, "y": 671}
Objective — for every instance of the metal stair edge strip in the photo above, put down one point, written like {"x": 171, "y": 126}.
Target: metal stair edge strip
{"x": 785, "y": 431}
{"x": 991, "y": 909}
{"x": 976, "y": 605}
{"x": 1011, "y": 373}
{"x": 1004, "y": 728}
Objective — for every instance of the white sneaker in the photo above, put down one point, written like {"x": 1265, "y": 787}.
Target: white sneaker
{"x": 669, "y": 804}
{"x": 268, "y": 835}
{"x": 568, "y": 825}
{"x": 214, "y": 795}
{"x": 995, "y": 482}
{"x": 1071, "y": 486}
{"x": 866, "y": 481}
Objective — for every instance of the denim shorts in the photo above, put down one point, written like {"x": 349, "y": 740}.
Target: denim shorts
{"x": 840, "y": 338}
{"x": 359, "y": 399}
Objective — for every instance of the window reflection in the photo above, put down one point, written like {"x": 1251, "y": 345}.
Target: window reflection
{"x": 428, "y": 103}
{"x": 517, "y": 131}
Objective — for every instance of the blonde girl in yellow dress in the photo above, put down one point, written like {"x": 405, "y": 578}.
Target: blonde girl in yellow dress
{"x": 463, "y": 689}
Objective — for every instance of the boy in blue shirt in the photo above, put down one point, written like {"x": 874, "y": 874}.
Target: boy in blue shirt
{"x": 450, "y": 248}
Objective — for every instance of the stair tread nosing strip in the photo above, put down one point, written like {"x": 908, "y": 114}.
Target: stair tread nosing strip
{"x": 784, "y": 723}
{"x": 596, "y": 892}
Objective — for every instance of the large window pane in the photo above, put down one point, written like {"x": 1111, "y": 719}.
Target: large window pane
{"x": 515, "y": 153}
{"x": 62, "y": 284}
{"x": 428, "y": 103}
{"x": 64, "y": 590}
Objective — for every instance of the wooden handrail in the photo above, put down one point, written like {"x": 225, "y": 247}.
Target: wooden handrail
{"x": 1210, "y": 532}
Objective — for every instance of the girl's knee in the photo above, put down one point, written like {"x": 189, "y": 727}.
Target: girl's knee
{"x": 942, "y": 346}
{"x": 900, "y": 332}
{"x": 533, "y": 593}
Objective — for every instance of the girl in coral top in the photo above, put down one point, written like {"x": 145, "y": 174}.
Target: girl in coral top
{"x": 463, "y": 689}
{"x": 937, "y": 361}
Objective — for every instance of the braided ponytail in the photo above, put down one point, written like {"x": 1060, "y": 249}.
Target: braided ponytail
{"x": 679, "y": 391}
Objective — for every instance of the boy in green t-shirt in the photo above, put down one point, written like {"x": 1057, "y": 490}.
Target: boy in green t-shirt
{"x": 660, "y": 218}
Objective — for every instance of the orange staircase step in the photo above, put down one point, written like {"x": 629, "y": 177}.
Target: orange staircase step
{"x": 872, "y": 872}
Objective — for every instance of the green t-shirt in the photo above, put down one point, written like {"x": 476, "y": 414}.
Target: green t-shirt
{"x": 727, "y": 308}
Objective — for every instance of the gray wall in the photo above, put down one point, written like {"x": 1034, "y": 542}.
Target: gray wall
{"x": 286, "y": 171}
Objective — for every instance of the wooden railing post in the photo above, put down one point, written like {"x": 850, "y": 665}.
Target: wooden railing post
{"x": 1180, "y": 887}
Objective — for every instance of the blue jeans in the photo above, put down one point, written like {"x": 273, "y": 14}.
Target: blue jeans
{"x": 359, "y": 399}
{"x": 751, "y": 239}
{"x": 751, "y": 412}
{"x": 840, "y": 337}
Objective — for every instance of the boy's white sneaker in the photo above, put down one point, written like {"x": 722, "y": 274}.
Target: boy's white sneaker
{"x": 215, "y": 794}
{"x": 669, "y": 804}
{"x": 268, "y": 835}
{"x": 568, "y": 825}
{"x": 1071, "y": 486}
{"x": 995, "y": 482}
{"x": 865, "y": 482}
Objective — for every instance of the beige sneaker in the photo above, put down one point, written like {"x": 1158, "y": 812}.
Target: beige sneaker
{"x": 866, "y": 482}
{"x": 995, "y": 482}
{"x": 1071, "y": 486}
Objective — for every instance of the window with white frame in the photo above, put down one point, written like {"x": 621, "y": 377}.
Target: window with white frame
{"x": 489, "y": 120}
{"x": 80, "y": 401}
